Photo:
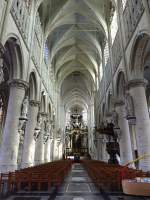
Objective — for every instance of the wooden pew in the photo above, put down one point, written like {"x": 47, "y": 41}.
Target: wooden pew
{"x": 52, "y": 173}
{"x": 109, "y": 176}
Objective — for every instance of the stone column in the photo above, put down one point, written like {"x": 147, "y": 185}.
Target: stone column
{"x": 10, "y": 143}
{"x": 40, "y": 146}
{"x": 39, "y": 150}
{"x": 29, "y": 142}
{"x": 137, "y": 91}
{"x": 47, "y": 146}
{"x": 52, "y": 149}
{"x": 99, "y": 148}
{"x": 125, "y": 140}
{"x": 55, "y": 149}
{"x": 47, "y": 151}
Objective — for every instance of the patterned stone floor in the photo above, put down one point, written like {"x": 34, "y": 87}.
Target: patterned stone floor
{"x": 78, "y": 186}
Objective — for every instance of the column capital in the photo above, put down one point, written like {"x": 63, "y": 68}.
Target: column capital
{"x": 34, "y": 103}
{"x": 43, "y": 114}
{"x": 136, "y": 83}
{"x": 108, "y": 114}
{"x": 19, "y": 83}
{"x": 119, "y": 102}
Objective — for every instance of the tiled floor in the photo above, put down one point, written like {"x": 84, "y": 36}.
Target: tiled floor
{"x": 78, "y": 186}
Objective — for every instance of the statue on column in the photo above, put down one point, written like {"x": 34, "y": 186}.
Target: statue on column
{"x": 1, "y": 73}
{"x": 23, "y": 119}
{"x": 48, "y": 127}
{"x": 47, "y": 131}
{"x": 39, "y": 122}
{"x": 115, "y": 118}
{"x": 24, "y": 110}
{"x": 38, "y": 126}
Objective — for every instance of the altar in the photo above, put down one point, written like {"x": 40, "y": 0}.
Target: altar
{"x": 76, "y": 137}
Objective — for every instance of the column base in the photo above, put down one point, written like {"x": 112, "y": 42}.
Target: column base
{"x": 26, "y": 165}
{"x": 46, "y": 161}
{"x": 8, "y": 168}
{"x": 38, "y": 162}
{"x": 145, "y": 165}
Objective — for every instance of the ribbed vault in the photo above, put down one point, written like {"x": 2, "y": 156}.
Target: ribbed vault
{"x": 75, "y": 31}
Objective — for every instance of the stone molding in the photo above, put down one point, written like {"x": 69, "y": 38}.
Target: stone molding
{"x": 119, "y": 102}
{"x": 136, "y": 83}
{"x": 43, "y": 114}
{"x": 34, "y": 103}
{"x": 108, "y": 114}
{"x": 19, "y": 84}
{"x": 2, "y": 50}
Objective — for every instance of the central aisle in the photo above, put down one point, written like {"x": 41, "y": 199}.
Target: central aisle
{"x": 78, "y": 186}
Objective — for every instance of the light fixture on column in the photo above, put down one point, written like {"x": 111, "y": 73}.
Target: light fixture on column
{"x": 36, "y": 133}
{"x": 46, "y": 137}
{"x": 131, "y": 119}
{"x": 22, "y": 123}
{"x": 44, "y": 93}
{"x": 37, "y": 129}
{"x": 117, "y": 133}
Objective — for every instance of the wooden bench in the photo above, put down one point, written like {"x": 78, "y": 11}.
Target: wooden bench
{"x": 52, "y": 173}
{"x": 109, "y": 176}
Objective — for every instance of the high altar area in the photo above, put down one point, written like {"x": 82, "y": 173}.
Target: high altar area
{"x": 76, "y": 135}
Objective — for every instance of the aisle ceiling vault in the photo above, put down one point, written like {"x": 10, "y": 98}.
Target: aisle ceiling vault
{"x": 76, "y": 31}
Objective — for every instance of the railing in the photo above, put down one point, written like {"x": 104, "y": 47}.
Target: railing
{"x": 21, "y": 15}
{"x": 132, "y": 14}
{"x": 37, "y": 43}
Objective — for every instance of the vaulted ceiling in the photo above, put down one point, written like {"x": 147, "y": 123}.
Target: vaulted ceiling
{"x": 76, "y": 31}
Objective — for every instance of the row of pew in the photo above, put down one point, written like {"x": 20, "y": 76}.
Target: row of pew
{"x": 108, "y": 177}
{"x": 34, "y": 178}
